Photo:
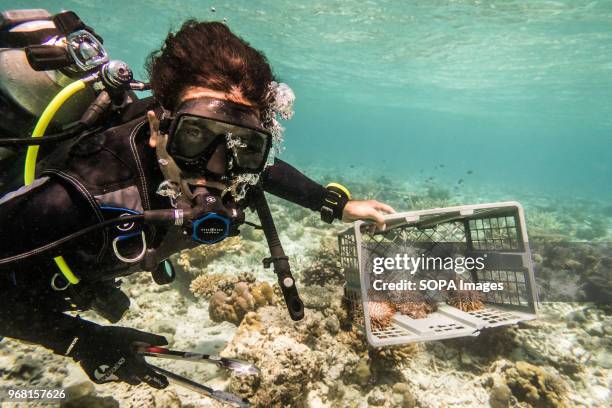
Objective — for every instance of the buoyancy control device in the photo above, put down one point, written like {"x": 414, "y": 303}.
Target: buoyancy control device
{"x": 60, "y": 59}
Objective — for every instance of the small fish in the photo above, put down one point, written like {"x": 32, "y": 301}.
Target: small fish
{"x": 459, "y": 181}
{"x": 441, "y": 166}
{"x": 352, "y": 166}
{"x": 470, "y": 172}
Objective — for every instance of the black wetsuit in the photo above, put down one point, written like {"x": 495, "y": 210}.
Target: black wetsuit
{"x": 55, "y": 206}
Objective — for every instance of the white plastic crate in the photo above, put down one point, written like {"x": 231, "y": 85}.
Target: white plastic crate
{"x": 495, "y": 231}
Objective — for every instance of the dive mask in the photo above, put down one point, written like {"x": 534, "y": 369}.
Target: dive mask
{"x": 207, "y": 129}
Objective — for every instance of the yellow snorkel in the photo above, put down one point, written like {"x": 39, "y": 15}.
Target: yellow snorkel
{"x": 32, "y": 153}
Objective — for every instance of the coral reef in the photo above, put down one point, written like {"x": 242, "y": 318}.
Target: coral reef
{"x": 534, "y": 385}
{"x": 323, "y": 267}
{"x": 545, "y": 225}
{"x": 397, "y": 356}
{"x": 206, "y": 285}
{"x": 243, "y": 299}
{"x": 324, "y": 361}
{"x": 193, "y": 260}
{"x": 287, "y": 364}
{"x": 575, "y": 272}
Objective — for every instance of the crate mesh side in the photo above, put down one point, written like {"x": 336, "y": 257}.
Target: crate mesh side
{"x": 515, "y": 286}
{"x": 415, "y": 242}
{"x": 352, "y": 298}
{"x": 486, "y": 230}
{"x": 348, "y": 251}
{"x": 494, "y": 316}
{"x": 495, "y": 233}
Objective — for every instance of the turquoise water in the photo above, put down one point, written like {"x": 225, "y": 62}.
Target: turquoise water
{"x": 518, "y": 92}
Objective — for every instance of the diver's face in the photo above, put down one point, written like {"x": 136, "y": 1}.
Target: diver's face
{"x": 189, "y": 136}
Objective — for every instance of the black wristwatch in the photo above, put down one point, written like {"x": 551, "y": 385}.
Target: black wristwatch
{"x": 333, "y": 204}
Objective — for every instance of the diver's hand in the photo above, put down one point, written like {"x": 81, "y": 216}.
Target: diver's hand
{"x": 371, "y": 210}
{"x": 106, "y": 353}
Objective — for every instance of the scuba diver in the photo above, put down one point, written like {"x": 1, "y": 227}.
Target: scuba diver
{"x": 134, "y": 180}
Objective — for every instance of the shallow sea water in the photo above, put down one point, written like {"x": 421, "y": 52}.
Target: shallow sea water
{"x": 517, "y": 93}
{"x": 420, "y": 104}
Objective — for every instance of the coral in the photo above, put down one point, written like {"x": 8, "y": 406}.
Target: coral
{"x": 323, "y": 267}
{"x": 534, "y": 385}
{"x": 381, "y": 313}
{"x": 396, "y": 356}
{"x": 402, "y": 397}
{"x": 197, "y": 258}
{"x": 500, "y": 396}
{"x": 91, "y": 401}
{"x": 387, "y": 363}
{"x": 144, "y": 396}
{"x": 317, "y": 297}
{"x": 576, "y": 272}
{"x": 207, "y": 285}
{"x": 263, "y": 294}
{"x": 243, "y": 299}
{"x": 247, "y": 277}
{"x": 362, "y": 373}
{"x": 288, "y": 366}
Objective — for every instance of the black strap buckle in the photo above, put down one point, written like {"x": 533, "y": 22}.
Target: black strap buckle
{"x": 268, "y": 261}
{"x": 68, "y": 22}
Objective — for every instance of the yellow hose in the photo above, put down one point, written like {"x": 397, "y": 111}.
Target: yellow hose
{"x": 43, "y": 123}
{"x": 32, "y": 154}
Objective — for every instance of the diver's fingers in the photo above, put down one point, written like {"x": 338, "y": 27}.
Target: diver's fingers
{"x": 383, "y": 207}
{"x": 372, "y": 214}
{"x": 154, "y": 129}
{"x": 153, "y": 122}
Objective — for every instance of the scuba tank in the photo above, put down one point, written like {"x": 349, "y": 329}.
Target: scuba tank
{"x": 42, "y": 56}
{"x": 26, "y": 91}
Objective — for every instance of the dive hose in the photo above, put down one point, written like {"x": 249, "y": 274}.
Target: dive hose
{"x": 49, "y": 139}
{"x": 43, "y": 123}
{"x": 32, "y": 153}
{"x": 74, "y": 235}
{"x": 151, "y": 217}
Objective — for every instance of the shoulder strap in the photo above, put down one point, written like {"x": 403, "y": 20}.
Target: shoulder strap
{"x": 90, "y": 200}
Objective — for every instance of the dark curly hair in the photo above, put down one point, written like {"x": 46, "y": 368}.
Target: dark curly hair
{"x": 208, "y": 54}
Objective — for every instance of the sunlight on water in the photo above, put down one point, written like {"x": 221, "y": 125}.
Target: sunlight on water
{"x": 518, "y": 92}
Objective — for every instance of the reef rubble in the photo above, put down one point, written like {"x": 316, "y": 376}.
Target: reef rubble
{"x": 224, "y": 302}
